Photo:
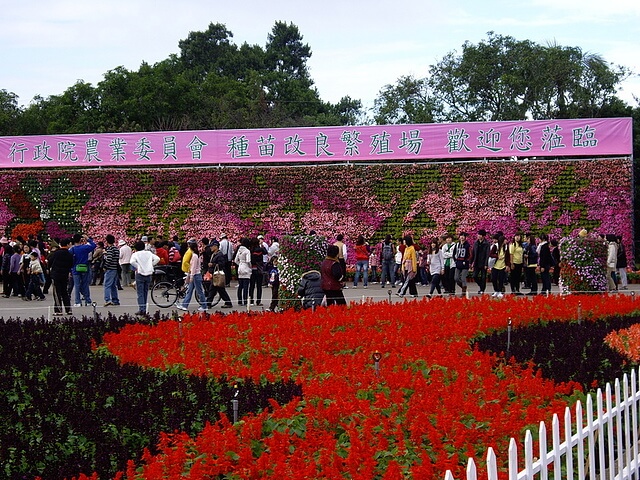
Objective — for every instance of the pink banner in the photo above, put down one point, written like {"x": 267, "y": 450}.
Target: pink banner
{"x": 452, "y": 141}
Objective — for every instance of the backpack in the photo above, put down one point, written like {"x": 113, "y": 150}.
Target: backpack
{"x": 174, "y": 255}
{"x": 387, "y": 252}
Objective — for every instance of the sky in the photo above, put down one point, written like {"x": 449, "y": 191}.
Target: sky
{"x": 358, "y": 46}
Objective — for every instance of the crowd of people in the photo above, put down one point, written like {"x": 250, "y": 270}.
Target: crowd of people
{"x": 444, "y": 264}
{"x": 69, "y": 266}
{"x": 31, "y": 268}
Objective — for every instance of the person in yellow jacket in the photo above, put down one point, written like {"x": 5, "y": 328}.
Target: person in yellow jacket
{"x": 186, "y": 259}
{"x": 409, "y": 267}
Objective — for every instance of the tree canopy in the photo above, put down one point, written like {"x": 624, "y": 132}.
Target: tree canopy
{"x": 502, "y": 78}
{"x": 211, "y": 84}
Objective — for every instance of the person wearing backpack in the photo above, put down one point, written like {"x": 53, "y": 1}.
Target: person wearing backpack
{"x": 387, "y": 262}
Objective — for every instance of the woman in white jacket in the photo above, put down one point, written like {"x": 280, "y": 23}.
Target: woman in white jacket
{"x": 243, "y": 263}
{"x": 612, "y": 259}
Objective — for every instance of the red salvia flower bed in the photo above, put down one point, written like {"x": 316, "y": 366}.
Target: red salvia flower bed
{"x": 434, "y": 403}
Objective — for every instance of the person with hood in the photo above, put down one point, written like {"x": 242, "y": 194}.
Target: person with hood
{"x": 310, "y": 289}
{"x": 331, "y": 277}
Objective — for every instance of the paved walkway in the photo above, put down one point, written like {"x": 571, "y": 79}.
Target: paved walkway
{"x": 16, "y": 307}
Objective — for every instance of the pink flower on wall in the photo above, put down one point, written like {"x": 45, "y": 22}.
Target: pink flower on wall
{"x": 6, "y": 216}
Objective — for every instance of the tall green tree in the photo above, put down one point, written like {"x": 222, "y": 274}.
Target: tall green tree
{"x": 9, "y": 113}
{"x": 289, "y": 88}
{"x": 211, "y": 51}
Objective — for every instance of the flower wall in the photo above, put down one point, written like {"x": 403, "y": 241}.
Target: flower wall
{"x": 556, "y": 197}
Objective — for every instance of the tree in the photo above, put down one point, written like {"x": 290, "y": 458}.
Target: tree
{"x": 292, "y": 99}
{"x": 408, "y": 101}
{"x": 502, "y": 78}
{"x": 210, "y": 51}
{"x": 9, "y": 113}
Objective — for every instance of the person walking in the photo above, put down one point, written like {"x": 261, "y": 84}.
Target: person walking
{"x": 342, "y": 254}
{"x": 274, "y": 282}
{"x": 227, "y": 250}
{"x": 516, "y": 255}
{"x": 435, "y": 260}
{"x": 621, "y": 263}
{"x": 501, "y": 265}
{"x": 110, "y": 259}
{"x": 194, "y": 278}
{"x": 256, "y": 281}
{"x": 243, "y": 262}
{"x": 448, "y": 279}
{"x": 124, "y": 259}
{"x": 82, "y": 247}
{"x": 546, "y": 262}
{"x": 531, "y": 258}
{"x": 410, "y": 268}
{"x": 60, "y": 265}
{"x": 480, "y": 259}
{"x": 387, "y": 261}
{"x": 612, "y": 260}
{"x": 218, "y": 261}
{"x": 36, "y": 278}
{"x": 144, "y": 262}
{"x": 362, "y": 262}
{"x": 462, "y": 256}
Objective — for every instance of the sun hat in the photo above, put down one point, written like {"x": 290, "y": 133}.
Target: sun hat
{"x": 122, "y": 242}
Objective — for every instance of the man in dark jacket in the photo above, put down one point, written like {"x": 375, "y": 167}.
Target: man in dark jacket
{"x": 310, "y": 289}
{"x": 60, "y": 263}
{"x": 480, "y": 258}
{"x": 219, "y": 260}
{"x": 462, "y": 257}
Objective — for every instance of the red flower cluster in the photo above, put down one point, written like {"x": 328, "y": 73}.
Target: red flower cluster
{"x": 434, "y": 403}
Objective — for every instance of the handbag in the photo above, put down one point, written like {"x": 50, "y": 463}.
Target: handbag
{"x": 217, "y": 278}
{"x": 82, "y": 268}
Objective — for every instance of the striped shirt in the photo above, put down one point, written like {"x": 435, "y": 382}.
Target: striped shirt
{"x": 111, "y": 257}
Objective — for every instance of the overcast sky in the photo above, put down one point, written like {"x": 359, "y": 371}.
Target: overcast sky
{"x": 358, "y": 47}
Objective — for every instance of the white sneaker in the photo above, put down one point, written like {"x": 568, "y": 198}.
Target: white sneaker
{"x": 494, "y": 294}
{"x": 77, "y": 304}
{"x": 180, "y": 307}
{"x": 200, "y": 309}
{"x": 500, "y": 295}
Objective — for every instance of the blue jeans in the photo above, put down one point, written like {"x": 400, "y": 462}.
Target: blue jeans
{"x": 362, "y": 266}
{"x": 388, "y": 272}
{"x": 195, "y": 284}
{"x": 110, "y": 287}
{"x": 243, "y": 291}
{"x": 81, "y": 282}
{"x": 143, "y": 282}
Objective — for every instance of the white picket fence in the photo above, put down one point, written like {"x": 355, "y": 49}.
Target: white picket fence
{"x": 605, "y": 448}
